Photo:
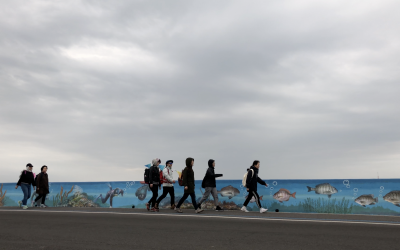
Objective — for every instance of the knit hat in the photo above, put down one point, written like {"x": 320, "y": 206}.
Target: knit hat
{"x": 169, "y": 162}
{"x": 210, "y": 162}
{"x": 154, "y": 161}
{"x": 29, "y": 165}
{"x": 189, "y": 162}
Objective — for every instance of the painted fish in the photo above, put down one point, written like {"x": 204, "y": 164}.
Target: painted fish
{"x": 141, "y": 192}
{"x": 366, "y": 199}
{"x": 283, "y": 195}
{"x": 393, "y": 197}
{"x": 229, "y": 192}
{"x": 324, "y": 188}
{"x": 253, "y": 199}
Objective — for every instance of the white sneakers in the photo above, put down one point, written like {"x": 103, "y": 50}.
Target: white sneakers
{"x": 43, "y": 205}
{"x": 262, "y": 210}
{"x": 199, "y": 210}
{"x": 25, "y": 207}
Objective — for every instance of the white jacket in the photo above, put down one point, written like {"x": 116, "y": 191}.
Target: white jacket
{"x": 168, "y": 175}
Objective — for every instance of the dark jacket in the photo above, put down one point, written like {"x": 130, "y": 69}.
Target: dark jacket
{"x": 154, "y": 175}
{"x": 26, "y": 177}
{"x": 252, "y": 179}
{"x": 188, "y": 177}
{"x": 42, "y": 182}
{"x": 209, "y": 179}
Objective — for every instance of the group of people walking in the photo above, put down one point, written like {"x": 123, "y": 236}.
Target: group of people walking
{"x": 40, "y": 182}
{"x": 188, "y": 181}
{"x": 156, "y": 179}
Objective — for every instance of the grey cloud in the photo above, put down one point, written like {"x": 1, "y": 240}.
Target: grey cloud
{"x": 101, "y": 89}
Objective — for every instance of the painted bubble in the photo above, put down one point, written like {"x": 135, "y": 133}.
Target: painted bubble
{"x": 272, "y": 188}
{"x": 355, "y": 190}
{"x": 346, "y": 182}
{"x": 241, "y": 186}
{"x": 275, "y": 183}
{"x": 380, "y": 195}
{"x": 382, "y": 188}
{"x": 125, "y": 189}
{"x": 355, "y": 194}
{"x": 348, "y": 185}
{"x": 380, "y": 191}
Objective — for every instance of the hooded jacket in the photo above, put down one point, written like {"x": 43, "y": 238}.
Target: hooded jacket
{"x": 209, "y": 179}
{"x": 42, "y": 182}
{"x": 188, "y": 176}
{"x": 252, "y": 179}
{"x": 168, "y": 176}
{"x": 154, "y": 175}
{"x": 27, "y": 177}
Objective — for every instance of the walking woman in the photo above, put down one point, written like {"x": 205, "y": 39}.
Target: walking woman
{"x": 168, "y": 184}
{"x": 188, "y": 183}
{"x": 26, "y": 179}
{"x": 251, "y": 186}
{"x": 42, "y": 186}
{"x": 154, "y": 183}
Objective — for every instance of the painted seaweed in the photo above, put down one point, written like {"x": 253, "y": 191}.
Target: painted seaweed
{"x": 61, "y": 199}
{"x": 2, "y": 196}
{"x": 331, "y": 206}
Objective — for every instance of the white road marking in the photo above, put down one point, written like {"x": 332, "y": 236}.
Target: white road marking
{"x": 215, "y": 216}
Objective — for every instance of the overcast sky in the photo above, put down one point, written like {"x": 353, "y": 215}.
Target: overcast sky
{"x": 97, "y": 89}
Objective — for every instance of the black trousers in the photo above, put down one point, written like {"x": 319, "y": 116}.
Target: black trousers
{"x": 170, "y": 191}
{"x": 251, "y": 195}
{"x": 153, "y": 199}
{"x": 185, "y": 196}
{"x": 41, "y": 196}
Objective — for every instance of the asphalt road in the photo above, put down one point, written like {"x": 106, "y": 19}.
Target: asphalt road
{"x": 137, "y": 229}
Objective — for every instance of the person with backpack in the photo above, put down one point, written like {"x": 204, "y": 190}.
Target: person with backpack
{"x": 154, "y": 184}
{"x": 188, "y": 183}
{"x": 250, "y": 181}
{"x": 168, "y": 184}
{"x": 42, "y": 186}
{"x": 210, "y": 186}
{"x": 26, "y": 180}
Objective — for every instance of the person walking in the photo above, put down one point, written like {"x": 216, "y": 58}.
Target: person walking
{"x": 251, "y": 185}
{"x": 168, "y": 184}
{"x": 188, "y": 183}
{"x": 26, "y": 180}
{"x": 154, "y": 183}
{"x": 42, "y": 186}
{"x": 209, "y": 184}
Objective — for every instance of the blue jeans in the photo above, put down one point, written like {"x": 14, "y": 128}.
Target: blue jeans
{"x": 26, "y": 189}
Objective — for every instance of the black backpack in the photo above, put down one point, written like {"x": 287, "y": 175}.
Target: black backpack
{"x": 146, "y": 175}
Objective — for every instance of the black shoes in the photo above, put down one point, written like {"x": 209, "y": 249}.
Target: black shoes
{"x": 219, "y": 209}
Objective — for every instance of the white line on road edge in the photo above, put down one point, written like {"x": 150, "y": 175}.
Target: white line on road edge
{"x": 213, "y": 216}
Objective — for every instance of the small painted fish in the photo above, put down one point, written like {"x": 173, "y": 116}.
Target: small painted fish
{"x": 366, "y": 199}
{"x": 229, "y": 192}
{"x": 324, "y": 188}
{"x": 283, "y": 195}
{"x": 393, "y": 197}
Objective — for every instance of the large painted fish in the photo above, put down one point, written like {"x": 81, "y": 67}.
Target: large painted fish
{"x": 141, "y": 192}
{"x": 283, "y": 195}
{"x": 324, "y": 188}
{"x": 393, "y": 197}
{"x": 366, "y": 199}
{"x": 229, "y": 192}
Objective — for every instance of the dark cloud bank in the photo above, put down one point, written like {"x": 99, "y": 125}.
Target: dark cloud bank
{"x": 96, "y": 90}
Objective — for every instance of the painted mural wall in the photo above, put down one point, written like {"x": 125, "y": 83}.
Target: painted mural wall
{"x": 361, "y": 196}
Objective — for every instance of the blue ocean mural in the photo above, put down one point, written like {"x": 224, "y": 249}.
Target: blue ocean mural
{"x": 350, "y": 196}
